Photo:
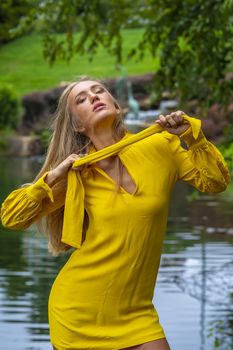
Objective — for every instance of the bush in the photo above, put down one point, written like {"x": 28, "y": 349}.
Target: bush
{"x": 45, "y": 135}
{"x": 9, "y": 108}
{"x": 226, "y": 146}
{"x": 227, "y": 151}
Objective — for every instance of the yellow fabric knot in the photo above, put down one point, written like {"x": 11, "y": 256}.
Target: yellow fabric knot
{"x": 74, "y": 203}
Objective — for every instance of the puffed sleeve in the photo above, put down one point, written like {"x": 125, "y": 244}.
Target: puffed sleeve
{"x": 26, "y": 205}
{"x": 201, "y": 165}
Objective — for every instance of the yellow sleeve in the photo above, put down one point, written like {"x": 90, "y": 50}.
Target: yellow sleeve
{"x": 26, "y": 205}
{"x": 202, "y": 165}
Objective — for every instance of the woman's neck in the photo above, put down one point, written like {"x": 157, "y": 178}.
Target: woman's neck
{"x": 103, "y": 138}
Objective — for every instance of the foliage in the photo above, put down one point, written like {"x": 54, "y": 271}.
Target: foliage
{"x": 217, "y": 331}
{"x": 11, "y": 11}
{"x": 9, "y": 107}
{"x": 191, "y": 40}
{"x": 193, "y": 196}
{"x": 45, "y": 136}
{"x": 226, "y": 147}
{"x": 3, "y": 143}
{"x": 22, "y": 63}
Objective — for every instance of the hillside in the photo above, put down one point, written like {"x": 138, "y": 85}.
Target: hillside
{"x": 22, "y": 64}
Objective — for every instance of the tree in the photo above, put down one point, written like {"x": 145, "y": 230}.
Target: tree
{"x": 11, "y": 12}
{"x": 191, "y": 40}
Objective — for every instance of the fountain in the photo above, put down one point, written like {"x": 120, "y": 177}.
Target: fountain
{"x": 136, "y": 118}
{"x": 132, "y": 102}
{"x": 145, "y": 118}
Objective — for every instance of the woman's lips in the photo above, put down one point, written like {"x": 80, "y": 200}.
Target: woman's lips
{"x": 98, "y": 106}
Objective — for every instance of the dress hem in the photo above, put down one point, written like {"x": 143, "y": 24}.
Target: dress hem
{"x": 136, "y": 342}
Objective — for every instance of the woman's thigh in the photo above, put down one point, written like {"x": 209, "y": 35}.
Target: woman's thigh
{"x": 160, "y": 344}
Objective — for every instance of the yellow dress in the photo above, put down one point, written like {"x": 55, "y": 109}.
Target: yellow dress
{"x": 102, "y": 297}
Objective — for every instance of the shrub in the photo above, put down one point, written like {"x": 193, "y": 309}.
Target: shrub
{"x": 45, "y": 135}
{"x": 227, "y": 151}
{"x": 9, "y": 108}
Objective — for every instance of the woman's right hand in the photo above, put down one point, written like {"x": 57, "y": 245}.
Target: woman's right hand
{"x": 61, "y": 170}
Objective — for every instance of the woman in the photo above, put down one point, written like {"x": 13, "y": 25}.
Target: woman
{"x": 113, "y": 210}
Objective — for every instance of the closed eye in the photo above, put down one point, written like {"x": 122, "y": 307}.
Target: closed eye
{"x": 95, "y": 90}
{"x": 81, "y": 100}
{"x": 99, "y": 90}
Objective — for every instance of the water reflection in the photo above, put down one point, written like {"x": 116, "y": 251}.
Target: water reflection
{"x": 194, "y": 289}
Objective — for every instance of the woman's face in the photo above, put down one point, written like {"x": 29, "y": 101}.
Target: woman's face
{"x": 92, "y": 106}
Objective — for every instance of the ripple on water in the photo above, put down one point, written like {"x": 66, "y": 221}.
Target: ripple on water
{"x": 196, "y": 287}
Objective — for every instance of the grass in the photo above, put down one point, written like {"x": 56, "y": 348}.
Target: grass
{"x": 22, "y": 64}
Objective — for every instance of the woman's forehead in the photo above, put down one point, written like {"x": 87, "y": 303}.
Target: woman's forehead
{"x": 85, "y": 85}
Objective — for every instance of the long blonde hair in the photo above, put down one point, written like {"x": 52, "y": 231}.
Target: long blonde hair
{"x": 64, "y": 141}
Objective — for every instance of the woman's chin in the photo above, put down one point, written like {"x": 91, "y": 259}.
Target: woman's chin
{"x": 104, "y": 116}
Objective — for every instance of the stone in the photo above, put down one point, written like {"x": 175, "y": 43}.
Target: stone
{"x": 24, "y": 146}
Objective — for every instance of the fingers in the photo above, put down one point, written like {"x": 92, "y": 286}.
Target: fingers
{"x": 172, "y": 120}
{"x": 73, "y": 157}
{"x": 66, "y": 164}
{"x": 81, "y": 155}
{"x": 61, "y": 170}
{"x": 178, "y": 117}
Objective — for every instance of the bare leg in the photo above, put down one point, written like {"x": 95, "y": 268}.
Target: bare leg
{"x": 160, "y": 344}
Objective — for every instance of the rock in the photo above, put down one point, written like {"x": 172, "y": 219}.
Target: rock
{"x": 38, "y": 109}
{"x": 24, "y": 146}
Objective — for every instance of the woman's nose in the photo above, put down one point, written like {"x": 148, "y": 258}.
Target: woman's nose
{"x": 93, "y": 97}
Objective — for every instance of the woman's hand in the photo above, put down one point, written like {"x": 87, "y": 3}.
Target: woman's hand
{"x": 61, "y": 170}
{"x": 173, "y": 123}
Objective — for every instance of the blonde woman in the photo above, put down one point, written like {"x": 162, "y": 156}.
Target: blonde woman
{"x": 111, "y": 206}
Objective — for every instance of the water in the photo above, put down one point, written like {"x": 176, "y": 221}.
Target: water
{"x": 165, "y": 107}
{"x": 194, "y": 291}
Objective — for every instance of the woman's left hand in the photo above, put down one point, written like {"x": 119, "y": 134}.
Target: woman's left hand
{"x": 174, "y": 122}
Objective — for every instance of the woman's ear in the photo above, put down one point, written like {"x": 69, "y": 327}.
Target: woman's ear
{"x": 80, "y": 128}
{"x": 117, "y": 108}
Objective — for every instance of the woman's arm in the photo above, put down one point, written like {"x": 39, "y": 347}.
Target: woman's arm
{"x": 28, "y": 204}
{"x": 202, "y": 165}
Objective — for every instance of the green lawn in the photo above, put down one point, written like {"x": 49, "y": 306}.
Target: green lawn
{"x": 22, "y": 64}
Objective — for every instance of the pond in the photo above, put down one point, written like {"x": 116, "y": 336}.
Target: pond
{"x": 194, "y": 291}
